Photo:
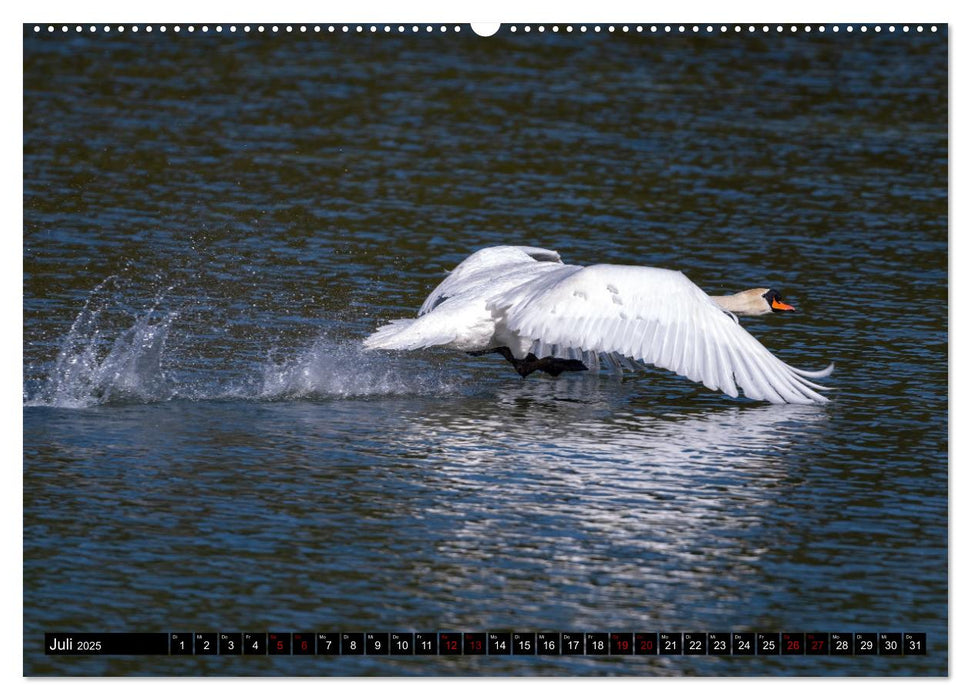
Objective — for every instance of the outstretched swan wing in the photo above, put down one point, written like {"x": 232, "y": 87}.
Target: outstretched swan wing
{"x": 461, "y": 318}
{"x": 658, "y": 317}
{"x": 480, "y": 269}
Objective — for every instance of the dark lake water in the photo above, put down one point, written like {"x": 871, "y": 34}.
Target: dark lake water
{"x": 213, "y": 223}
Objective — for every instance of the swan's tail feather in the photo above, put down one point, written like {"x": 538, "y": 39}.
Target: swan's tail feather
{"x": 392, "y": 336}
{"x": 411, "y": 334}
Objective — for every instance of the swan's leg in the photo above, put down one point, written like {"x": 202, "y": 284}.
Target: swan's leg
{"x": 507, "y": 353}
{"x": 553, "y": 366}
{"x": 480, "y": 353}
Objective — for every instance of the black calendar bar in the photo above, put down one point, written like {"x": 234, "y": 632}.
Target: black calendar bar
{"x": 510, "y": 644}
{"x": 107, "y": 643}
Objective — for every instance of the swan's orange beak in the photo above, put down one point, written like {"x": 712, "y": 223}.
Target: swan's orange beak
{"x": 781, "y": 306}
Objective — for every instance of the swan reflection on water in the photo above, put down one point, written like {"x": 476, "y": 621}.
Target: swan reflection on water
{"x": 575, "y": 481}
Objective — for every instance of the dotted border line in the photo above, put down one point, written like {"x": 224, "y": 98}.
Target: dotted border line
{"x": 247, "y": 28}
{"x": 726, "y": 28}
{"x": 513, "y": 28}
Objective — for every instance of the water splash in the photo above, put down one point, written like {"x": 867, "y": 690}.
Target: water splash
{"x": 345, "y": 369}
{"x": 92, "y": 368}
{"x": 115, "y": 354}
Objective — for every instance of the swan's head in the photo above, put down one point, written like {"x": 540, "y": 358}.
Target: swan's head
{"x": 773, "y": 301}
{"x": 753, "y": 302}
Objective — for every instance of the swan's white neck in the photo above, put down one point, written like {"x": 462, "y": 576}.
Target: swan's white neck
{"x": 747, "y": 303}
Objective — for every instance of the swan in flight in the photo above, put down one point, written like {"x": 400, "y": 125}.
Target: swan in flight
{"x": 526, "y": 305}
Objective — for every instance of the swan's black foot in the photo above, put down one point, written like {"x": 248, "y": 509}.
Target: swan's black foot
{"x": 480, "y": 353}
{"x": 554, "y": 366}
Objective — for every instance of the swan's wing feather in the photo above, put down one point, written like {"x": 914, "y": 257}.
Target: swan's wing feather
{"x": 817, "y": 374}
{"x": 538, "y": 254}
{"x": 456, "y": 313}
{"x": 482, "y": 266}
{"x": 657, "y": 317}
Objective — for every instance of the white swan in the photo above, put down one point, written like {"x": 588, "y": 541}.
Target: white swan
{"x": 540, "y": 314}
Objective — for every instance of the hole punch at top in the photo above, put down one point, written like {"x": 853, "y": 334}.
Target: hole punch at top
{"x": 485, "y": 28}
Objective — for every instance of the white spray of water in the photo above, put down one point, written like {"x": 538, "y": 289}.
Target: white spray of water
{"x": 92, "y": 369}
{"x": 344, "y": 369}
{"x": 101, "y": 361}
